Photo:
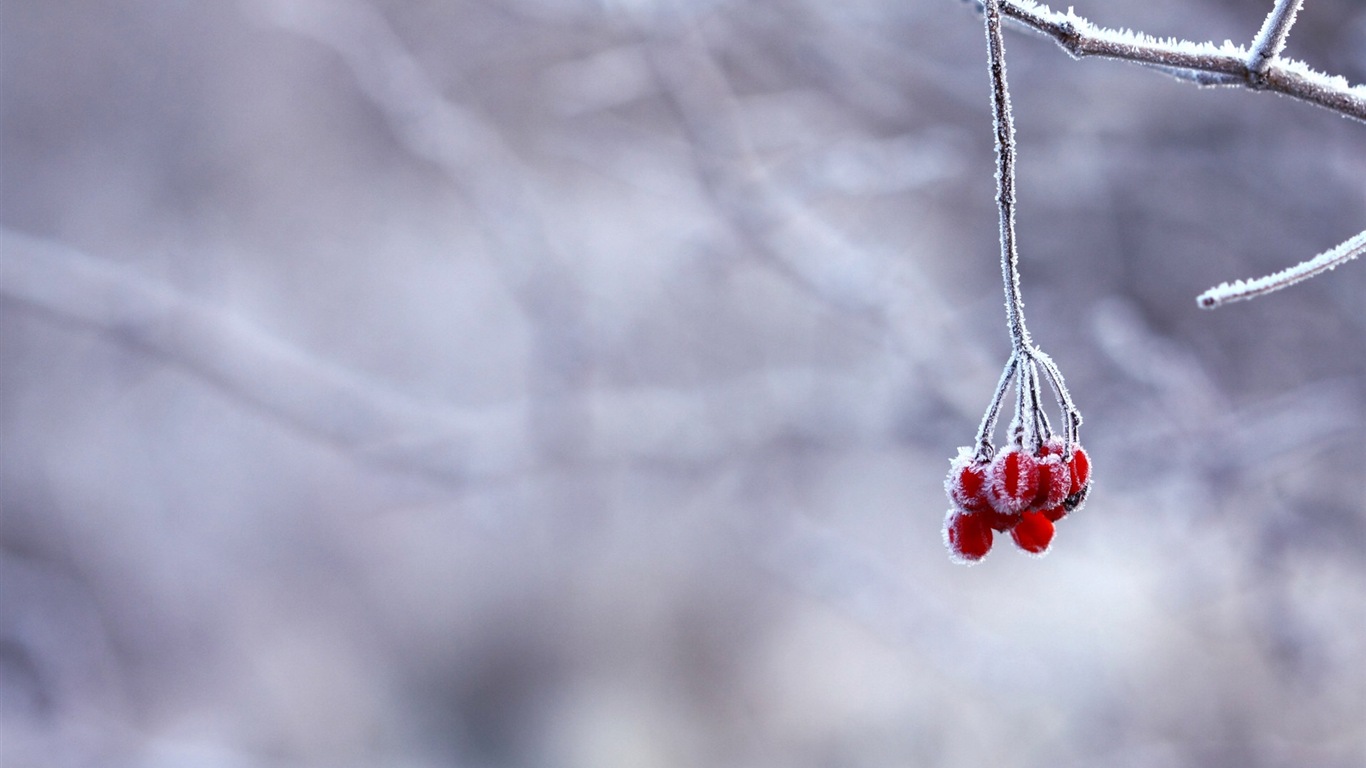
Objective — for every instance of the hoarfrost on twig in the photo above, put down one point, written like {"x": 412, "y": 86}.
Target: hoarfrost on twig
{"x": 1259, "y": 67}
{"x": 1228, "y": 64}
{"x": 1249, "y": 289}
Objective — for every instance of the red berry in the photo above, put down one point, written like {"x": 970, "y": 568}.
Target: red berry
{"x": 1014, "y": 477}
{"x": 1054, "y": 514}
{"x": 967, "y": 536}
{"x": 1034, "y": 532}
{"x": 1080, "y": 467}
{"x": 966, "y": 483}
{"x": 999, "y": 521}
{"x": 1055, "y": 481}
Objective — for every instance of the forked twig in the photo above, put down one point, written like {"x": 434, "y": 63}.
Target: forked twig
{"x": 1271, "y": 39}
{"x": 1259, "y": 67}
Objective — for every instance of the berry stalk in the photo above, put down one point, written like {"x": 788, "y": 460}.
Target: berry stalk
{"x": 1040, "y": 475}
{"x": 1005, "y": 176}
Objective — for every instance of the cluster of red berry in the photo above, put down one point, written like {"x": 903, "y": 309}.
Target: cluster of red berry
{"x": 1015, "y": 491}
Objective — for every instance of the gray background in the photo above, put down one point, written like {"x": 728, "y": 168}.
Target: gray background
{"x": 570, "y": 383}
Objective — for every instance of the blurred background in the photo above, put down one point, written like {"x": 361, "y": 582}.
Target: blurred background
{"x": 568, "y": 383}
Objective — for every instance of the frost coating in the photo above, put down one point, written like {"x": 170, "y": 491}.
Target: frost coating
{"x": 1239, "y": 290}
{"x": 1055, "y": 481}
{"x": 967, "y": 536}
{"x": 967, "y": 481}
{"x": 1014, "y": 481}
{"x": 1034, "y": 480}
{"x": 1259, "y": 66}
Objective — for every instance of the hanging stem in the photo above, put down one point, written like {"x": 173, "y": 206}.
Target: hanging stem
{"x": 1069, "y": 409}
{"x": 1030, "y": 423}
{"x": 984, "y": 432}
{"x": 1005, "y": 177}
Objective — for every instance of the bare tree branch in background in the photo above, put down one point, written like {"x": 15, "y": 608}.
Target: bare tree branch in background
{"x": 1258, "y": 67}
{"x": 475, "y": 158}
{"x": 450, "y": 445}
{"x": 300, "y": 390}
{"x": 812, "y": 252}
{"x": 827, "y": 263}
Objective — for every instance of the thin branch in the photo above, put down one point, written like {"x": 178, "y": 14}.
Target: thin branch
{"x": 988, "y": 428}
{"x": 1271, "y": 39}
{"x": 1260, "y": 68}
{"x": 1227, "y": 64}
{"x": 1069, "y": 409}
{"x": 1005, "y": 177}
{"x": 1249, "y": 289}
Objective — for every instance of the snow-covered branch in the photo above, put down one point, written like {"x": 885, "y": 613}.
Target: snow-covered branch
{"x": 1258, "y": 68}
{"x": 1225, "y": 293}
{"x": 1271, "y": 39}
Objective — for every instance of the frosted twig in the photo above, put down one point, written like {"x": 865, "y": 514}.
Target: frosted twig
{"x": 1030, "y": 423}
{"x": 1005, "y": 176}
{"x": 985, "y": 450}
{"x": 1271, "y": 39}
{"x": 1247, "y": 289}
{"x": 1205, "y": 63}
{"x": 1042, "y": 429}
{"x": 1059, "y": 387}
{"x": 1260, "y": 68}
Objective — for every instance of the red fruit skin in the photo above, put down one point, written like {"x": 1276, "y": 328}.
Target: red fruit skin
{"x": 1055, "y": 481}
{"x": 1054, "y": 514}
{"x": 967, "y": 536}
{"x": 1034, "y": 533}
{"x": 999, "y": 521}
{"x": 966, "y": 483}
{"x": 1080, "y": 487}
{"x": 1051, "y": 447}
{"x": 1080, "y": 467}
{"x": 1014, "y": 481}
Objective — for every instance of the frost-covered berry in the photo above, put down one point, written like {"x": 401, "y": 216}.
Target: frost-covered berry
{"x": 1080, "y": 468}
{"x": 1055, "y": 480}
{"x": 966, "y": 483}
{"x": 1014, "y": 481}
{"x": 967, "y": 536}
{"x": 1033, "y": 533}
{"x": 999, "y": 521}
{"x": 1025, "y": 487}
